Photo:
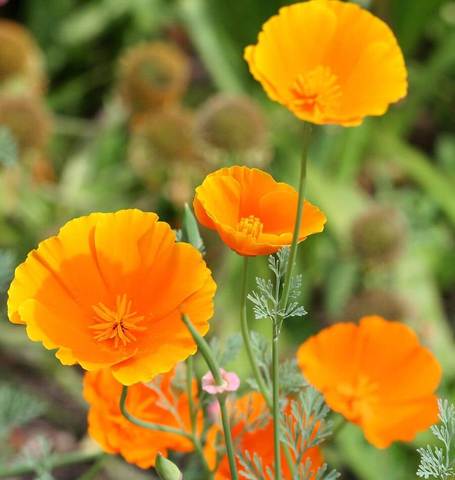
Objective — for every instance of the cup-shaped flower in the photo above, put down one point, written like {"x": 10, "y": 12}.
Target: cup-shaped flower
{"x": 377, "y": 375}
{"x": 231, "y": 382}
{"x": 252, "y": 432}
{"x": 329, "y": 62}
{"x": 160, "y": 402}
{"x": 252, "y": 213}
{"x": 109, "y": 291}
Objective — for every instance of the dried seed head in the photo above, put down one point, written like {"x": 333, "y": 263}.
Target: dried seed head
{"x": 27, "y": 119}
{"x": 165, "y": 136}
{"x": 153, "y": 75}
{"x": 376, "y": 302}
{"x": 232, "y": 123}
{"x": 379, "y": 235}
{"x": 21, "y": 60}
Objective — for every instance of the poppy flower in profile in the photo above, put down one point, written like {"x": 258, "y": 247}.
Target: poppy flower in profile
{"x": 252, "y": 431}
{"x": 160, "y": 401}
{"x": 377, "y": 375}
{"x": 252, "y": 213}
{"x": 329, "y": 62}
{"x": 108, "y": 291}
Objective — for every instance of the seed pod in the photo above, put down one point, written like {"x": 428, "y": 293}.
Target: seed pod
{"x": 161, "y": 138}
{"x": 378, "y": 302}
{"x": 152, "y": 76}
{"x": 27, "y": 119}
{"x": 232, "y": 123}
{"x": 379, "y": 235}
{"x": 21, "y": 60}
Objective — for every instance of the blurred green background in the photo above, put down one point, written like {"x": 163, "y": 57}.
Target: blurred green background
{"x": 90, "y": 122}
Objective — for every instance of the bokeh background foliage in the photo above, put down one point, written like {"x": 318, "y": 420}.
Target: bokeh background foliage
{"x": 387, "y": 187}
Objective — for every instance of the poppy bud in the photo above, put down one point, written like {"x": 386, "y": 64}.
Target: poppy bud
{"x": 166, "y": 469}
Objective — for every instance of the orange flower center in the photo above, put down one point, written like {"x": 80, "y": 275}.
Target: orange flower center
{"x": 317, "y": 90}
{"x": 117, "y": 325}
{"x": 250, "y": 226}
{"x": 358, "y": 396}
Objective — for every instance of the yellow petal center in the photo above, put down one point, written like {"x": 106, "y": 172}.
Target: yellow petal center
{"x": 251, "y": 226}
{"x": 117, "y": 325}
{"x": 316, "y": 91}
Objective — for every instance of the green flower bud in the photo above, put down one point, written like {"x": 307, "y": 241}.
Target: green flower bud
{"x": 166, "y": 469}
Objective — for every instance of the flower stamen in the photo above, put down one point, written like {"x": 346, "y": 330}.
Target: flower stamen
{"x": 250, "y": 225}
{"x": 117, "y": 325}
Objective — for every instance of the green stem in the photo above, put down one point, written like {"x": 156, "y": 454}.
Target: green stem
{"x": 148, "y": 425}
{"x": 254, "y": 366}
{"x": 284, "y": 300}
{"x": 214, "y": 47}
{"x": 189, "y": 386}
{"x": 209, "y": 358}
{"x": 92, "y": 472}
{"x": 162, "y": 428}
{"x": 246, "y": 336}
{"x": 298, "y": 217}
{"x": 55, "y": 461}
{"x": 276, "y": 400}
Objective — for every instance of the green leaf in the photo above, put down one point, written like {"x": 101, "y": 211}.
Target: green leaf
{"x": 17, "y": 408}
{"x": 190, "y": 230}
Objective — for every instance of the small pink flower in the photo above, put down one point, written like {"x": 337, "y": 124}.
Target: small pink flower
{"x": 231, "y": 382}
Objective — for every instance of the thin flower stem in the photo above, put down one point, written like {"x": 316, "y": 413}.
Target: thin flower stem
{"x": 209, "y": 358}
{"x": 93, "y": 471}
{"x": 145, "y": 424}
{"x": 299, "y": 213}
{"x": 246, "y": 336}
{"x": 284, "y": 301}
{"x": 162, "y": 428}
{"x": 55, "y": 461}
{"x": 276, "y": 401}
{"x": 189, "y": 386}
{"x": 254, "y": 366}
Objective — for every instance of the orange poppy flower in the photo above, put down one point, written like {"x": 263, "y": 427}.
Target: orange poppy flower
{"x": 329, "y": 62}
{"x": 377, "y": 375}
{"x": 159, "y": 401}
{"x": 252, "y": 431}
{"x": 252, "y": 213}
{"x": 109, "y": 290}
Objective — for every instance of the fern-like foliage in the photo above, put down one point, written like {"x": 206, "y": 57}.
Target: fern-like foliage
{"x": 439, "y": 462}
{"x": 225, "y": 352}
{"x": 17, "y": 408}
{"x": 304, "y": 426}
{"x": 38, "y": 457}
{"x": 266, "y": 299}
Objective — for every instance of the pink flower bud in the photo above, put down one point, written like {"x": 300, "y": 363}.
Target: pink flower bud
{"x": 231, "y": 382}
